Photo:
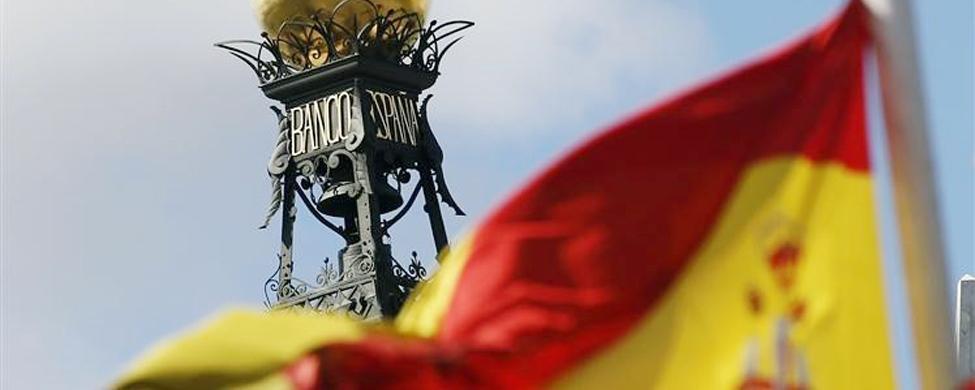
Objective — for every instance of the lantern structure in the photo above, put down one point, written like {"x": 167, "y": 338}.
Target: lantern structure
{"x": 354, "y": 149}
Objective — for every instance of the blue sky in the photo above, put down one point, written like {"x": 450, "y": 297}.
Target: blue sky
{"x": 133, "y": 152}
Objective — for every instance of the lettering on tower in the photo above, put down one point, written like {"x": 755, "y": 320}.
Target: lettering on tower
{"x": 321, "y": 123}
{"x": 395, "y": 116}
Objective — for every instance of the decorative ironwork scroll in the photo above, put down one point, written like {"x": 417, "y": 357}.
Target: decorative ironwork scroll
{"x": 280, "y": 160}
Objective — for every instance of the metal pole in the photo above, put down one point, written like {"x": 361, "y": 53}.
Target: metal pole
{"x": 965, "y": 327}
{"x": 287, "y": 233}
{"x": 914, "y": 189}
{"x": 432, "y": 207}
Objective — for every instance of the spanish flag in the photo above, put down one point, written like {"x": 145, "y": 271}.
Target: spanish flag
{"x": 724, "y": 239}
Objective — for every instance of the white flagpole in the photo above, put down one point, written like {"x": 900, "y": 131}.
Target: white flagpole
{"x": 965, "y": 327}
{"x": 914, "y": 192}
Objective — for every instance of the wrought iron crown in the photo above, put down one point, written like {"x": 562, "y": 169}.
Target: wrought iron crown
{"x": 302, "y": 43}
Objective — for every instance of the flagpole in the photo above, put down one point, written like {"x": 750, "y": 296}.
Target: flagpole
{"x": 914, "y": 189}
{"x": 965, "y": 330}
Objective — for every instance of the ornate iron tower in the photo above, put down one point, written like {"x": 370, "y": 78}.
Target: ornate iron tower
{"x": 353, "y": 136}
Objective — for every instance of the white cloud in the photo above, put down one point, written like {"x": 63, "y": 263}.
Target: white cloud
{"x": 538, "y": 66}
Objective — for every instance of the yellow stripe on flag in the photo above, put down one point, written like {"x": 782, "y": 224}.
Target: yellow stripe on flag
{"x": 786, "y": 290}
{"x": 238, "y": 348}
{"x": 245, "y": 349}
{"x": 423, "y": 313}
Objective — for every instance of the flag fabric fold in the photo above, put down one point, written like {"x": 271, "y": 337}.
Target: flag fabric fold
{"x": 723, "y": 239}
